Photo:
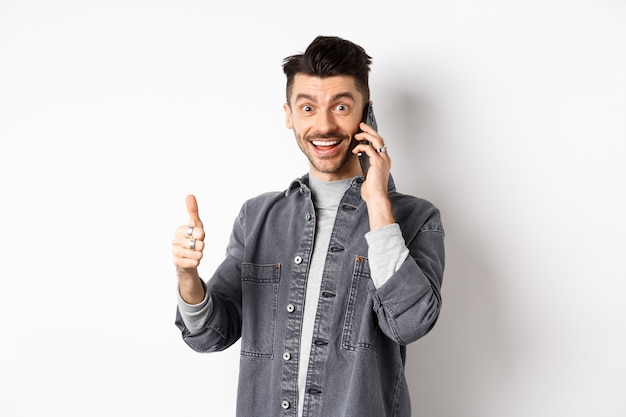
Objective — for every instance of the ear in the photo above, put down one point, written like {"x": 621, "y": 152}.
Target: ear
{"x": 288, "y": 116}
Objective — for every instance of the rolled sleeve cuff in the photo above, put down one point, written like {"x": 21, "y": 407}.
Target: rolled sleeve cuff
{"x": 195, "y": 316}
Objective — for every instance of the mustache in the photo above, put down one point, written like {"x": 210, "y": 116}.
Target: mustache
{"x": 330, "y": 135}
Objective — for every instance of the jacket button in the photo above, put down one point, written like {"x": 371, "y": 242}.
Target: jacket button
{"x": 308, "y": 216}
{"x": 297, "y": 260}
{"x": 285, "y": 405}
{"x": 291, "y": 308}
{"x": 286, "y": 356}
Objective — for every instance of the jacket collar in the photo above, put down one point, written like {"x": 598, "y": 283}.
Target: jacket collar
{"x": 302, "y": 184}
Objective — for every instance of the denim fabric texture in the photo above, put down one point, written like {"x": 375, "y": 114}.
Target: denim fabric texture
{"x": 356, "y": 367}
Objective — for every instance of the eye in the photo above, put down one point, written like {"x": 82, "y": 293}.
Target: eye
{"x": 341, "y": 107}
{"x": 307, "y": 108}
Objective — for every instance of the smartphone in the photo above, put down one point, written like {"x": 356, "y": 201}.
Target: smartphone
{"x": 369, "y": 119}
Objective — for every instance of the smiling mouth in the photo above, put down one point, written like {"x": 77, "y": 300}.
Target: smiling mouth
{"x": 325, "y": 143}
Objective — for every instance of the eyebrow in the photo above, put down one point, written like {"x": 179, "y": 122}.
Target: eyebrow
{"x": 336, "y": 97}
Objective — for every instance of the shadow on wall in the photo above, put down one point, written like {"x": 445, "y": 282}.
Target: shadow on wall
{"x": 451, "y": 371}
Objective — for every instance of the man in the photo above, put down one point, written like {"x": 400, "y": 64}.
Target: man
{"x": 326, "y": 282}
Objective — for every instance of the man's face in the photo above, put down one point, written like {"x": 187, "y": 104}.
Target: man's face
{"x": 324, "y": 114}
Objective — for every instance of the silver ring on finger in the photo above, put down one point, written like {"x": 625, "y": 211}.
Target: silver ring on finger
{"x": 190, "y": 231}
{"x": 381, "y": 150}
{"x": 192, "y": 244}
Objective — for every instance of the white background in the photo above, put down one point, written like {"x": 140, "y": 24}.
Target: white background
{"x": 509, "y": 116}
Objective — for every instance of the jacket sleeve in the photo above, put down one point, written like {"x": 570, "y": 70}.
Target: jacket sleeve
{"x": 409, "y": 302}
{"x": 223, "y": 327}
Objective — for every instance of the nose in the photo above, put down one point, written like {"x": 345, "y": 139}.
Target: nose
{"x": 325, "y": 122}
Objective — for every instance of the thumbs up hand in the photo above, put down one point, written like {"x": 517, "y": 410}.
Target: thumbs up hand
{"x": 188, "y": 240}
{"x": 187, "y": 247}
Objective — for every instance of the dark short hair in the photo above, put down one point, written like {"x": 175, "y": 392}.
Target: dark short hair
{"x": 329, "y": 56}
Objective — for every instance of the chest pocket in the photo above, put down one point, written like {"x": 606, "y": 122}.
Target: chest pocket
{"x": 360, "y": 326}
{"x": 259, "y": 304}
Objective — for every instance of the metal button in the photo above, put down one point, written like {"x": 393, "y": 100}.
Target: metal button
{"x": 308, "y": 216}
{"x": 291, "y": 308}
{"x": 286, "y": 356}
{"x": 285, "y": 404}
{"x": 298, "y": 260}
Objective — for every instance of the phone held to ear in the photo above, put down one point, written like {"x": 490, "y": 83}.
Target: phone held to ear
{"x": 370, "y": 120}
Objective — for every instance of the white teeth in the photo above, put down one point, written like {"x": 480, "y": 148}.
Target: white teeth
{"x": 325, "y": 142}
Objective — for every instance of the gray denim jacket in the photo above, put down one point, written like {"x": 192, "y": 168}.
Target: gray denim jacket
{"x": 357, "y": 359}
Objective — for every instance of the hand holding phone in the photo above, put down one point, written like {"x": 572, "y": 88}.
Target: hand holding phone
{"x": 369, "y": 119}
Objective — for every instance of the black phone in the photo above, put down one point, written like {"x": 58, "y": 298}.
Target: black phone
{"x": 369, "y": 119}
